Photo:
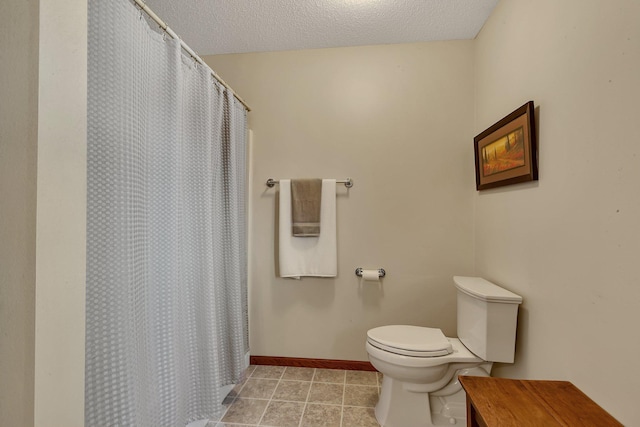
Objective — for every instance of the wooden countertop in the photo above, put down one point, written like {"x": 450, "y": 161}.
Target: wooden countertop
{"x": 507, "y": 402}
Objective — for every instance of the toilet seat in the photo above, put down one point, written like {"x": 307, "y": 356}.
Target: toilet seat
{"x": 406, "y": 340}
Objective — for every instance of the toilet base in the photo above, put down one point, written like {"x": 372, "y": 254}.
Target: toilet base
{"x": 450, "y": 410}
{"x": 400, "y": 407}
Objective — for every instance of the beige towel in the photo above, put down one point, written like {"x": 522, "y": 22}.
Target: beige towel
{"x": 306, "y": 198}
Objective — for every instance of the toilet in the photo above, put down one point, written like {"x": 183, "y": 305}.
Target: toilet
{"x": 420, "y": 365}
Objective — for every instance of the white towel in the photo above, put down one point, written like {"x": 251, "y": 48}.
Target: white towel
{"x": 309, "y": 256}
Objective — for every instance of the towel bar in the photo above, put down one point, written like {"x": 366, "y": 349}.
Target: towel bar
{"x": 347, "y": 182}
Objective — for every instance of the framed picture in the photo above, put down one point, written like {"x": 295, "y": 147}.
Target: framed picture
{"x": 506, "y": 153}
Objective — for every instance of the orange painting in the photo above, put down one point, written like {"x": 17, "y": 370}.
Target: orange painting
{"x": 504, "y": 154}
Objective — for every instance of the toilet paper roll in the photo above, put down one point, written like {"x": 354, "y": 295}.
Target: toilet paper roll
{"x": 371, "y": 275}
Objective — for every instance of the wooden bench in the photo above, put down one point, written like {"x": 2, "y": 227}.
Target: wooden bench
{"x": 501, "y": 402}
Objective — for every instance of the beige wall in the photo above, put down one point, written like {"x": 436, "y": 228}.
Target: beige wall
{"x": 397, "y": 120}
{"x": 61, "y": 214}
{"x": 18, "y": 146}
{"x": 42, "y": 163}
{"x": 569, "y": 244}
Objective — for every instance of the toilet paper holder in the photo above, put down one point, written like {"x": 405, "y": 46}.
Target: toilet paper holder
{"x": 381, "y": 272}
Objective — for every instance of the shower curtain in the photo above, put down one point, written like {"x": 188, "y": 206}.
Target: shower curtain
{"x": 166, "y": 322}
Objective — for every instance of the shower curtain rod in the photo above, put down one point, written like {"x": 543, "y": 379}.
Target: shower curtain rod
{"x": 190, "y": 51}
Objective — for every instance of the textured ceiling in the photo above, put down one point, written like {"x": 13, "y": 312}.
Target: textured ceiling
{"x": 235, "y": 26}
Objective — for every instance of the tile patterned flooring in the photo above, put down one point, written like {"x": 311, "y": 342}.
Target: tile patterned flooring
{"x": 276, "y": 396}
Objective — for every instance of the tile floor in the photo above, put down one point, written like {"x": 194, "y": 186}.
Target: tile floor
{"x": 276, "y": 396}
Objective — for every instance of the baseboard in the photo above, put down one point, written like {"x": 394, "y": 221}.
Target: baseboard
{"x": 352, "y": 365}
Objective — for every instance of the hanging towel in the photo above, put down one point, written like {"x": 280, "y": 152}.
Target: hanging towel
{"x": 311, "y": 256}
{"x": 306, "y": 198}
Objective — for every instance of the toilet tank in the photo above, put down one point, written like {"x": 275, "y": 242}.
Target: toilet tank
{"x": 487, "y": 318}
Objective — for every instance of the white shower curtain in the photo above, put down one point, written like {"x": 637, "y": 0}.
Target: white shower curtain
{"x": 166, "y": 322}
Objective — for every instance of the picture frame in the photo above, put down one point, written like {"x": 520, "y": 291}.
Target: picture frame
{"x": 506, "y": 153}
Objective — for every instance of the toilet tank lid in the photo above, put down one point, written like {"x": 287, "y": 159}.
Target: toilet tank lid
{"x": 484, "y": 290}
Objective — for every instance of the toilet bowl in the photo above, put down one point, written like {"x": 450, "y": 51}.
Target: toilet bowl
{"x": 420, "y": 365}
{"x": 411, "y": 382}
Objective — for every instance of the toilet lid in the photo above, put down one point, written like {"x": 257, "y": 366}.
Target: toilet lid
{"x": 410, "y": 340}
